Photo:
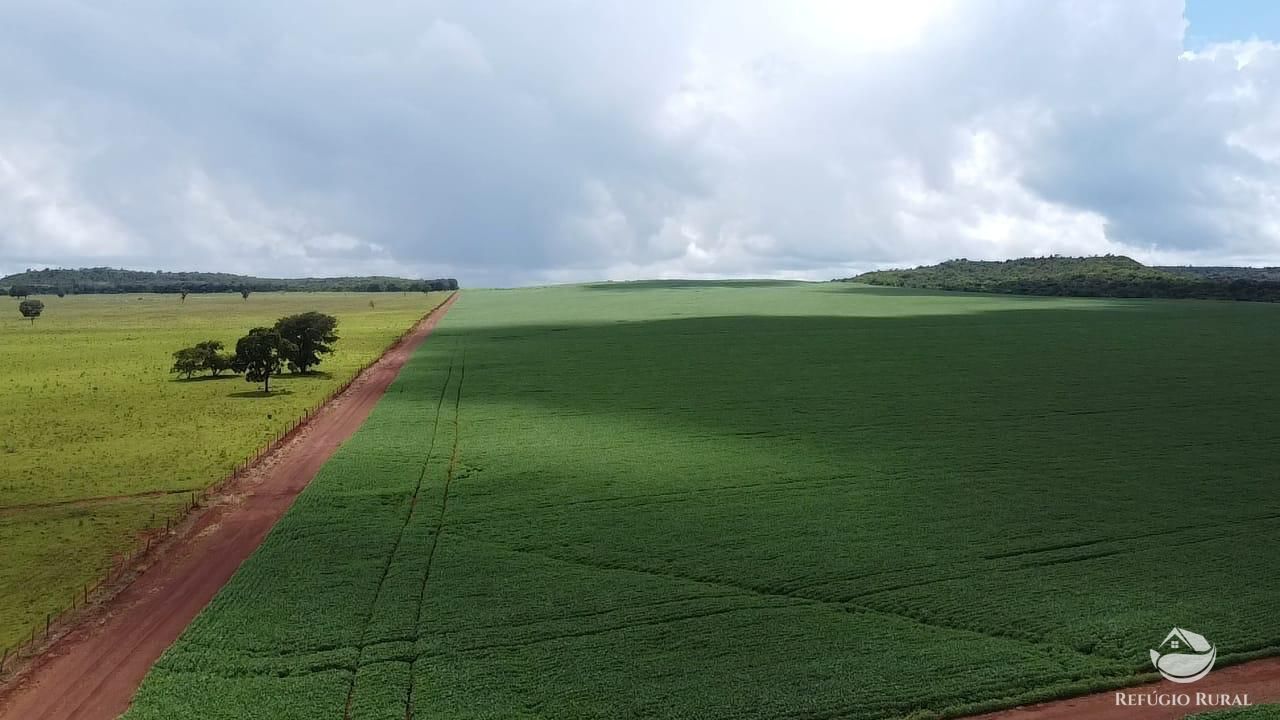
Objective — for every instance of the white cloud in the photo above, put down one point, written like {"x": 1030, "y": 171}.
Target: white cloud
{"x": 569, "y": 140}
{"x": 42, "y": 211}
{"x": 450, "y": 45}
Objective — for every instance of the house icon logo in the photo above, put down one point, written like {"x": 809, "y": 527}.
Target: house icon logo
{"x": 1184, "y": 656}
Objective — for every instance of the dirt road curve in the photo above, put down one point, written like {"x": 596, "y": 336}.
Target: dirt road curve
{"x": 1259, "y": 679}
{"x": 93, "y": 671}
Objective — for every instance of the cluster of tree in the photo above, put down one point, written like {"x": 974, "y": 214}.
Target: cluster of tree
{"x": 1104, "y": 276}
{"x": 1223, "y": 272}
{"x": 204, "y": 356}
{"x": 296, "y": 342}
{"x": 112, "y": 280}
{"x": 31, "y": 309}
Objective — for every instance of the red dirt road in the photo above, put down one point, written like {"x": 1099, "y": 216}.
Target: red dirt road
{"x": 1259, "y": 679}
{"x": 92, "y": 672}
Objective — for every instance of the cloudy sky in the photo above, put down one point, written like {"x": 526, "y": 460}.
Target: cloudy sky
{"x": 556, "y": 140}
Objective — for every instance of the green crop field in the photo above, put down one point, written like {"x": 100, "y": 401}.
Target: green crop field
{"x": 682, "y": 500}
{"x": 1256, "y": 712}
{"x": 97, "y": 439}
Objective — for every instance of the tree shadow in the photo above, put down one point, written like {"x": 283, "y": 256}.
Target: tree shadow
{"x": 309, "y": 375}
{"x": 260, "y": 394}
{"x": 206, "y": 378}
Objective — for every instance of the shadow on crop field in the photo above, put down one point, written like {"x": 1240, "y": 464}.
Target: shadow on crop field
{"x": 859, "y": 506}
{"x": 1017, "y": 454}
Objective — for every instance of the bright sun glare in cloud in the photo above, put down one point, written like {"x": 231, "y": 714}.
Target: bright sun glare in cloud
{"x": 851, "y": 27}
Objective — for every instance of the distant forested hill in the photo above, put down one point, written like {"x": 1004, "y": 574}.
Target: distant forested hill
{"x": 1224, "y": 273}
{"x": 113, "y": 280}
{"x": 1104, "y": 276}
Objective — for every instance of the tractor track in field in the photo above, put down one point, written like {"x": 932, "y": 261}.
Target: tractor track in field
{"x": 395, "y": 547}
{"x": 435, "y": 541}
{"x": 93, "y": 666}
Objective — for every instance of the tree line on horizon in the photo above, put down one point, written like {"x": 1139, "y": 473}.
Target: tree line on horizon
{"x": 295, "y": 341}
{"x": 104, "y": 280}
{"x": 1101, "y": 276}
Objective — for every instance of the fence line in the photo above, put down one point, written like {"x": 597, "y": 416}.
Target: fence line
{"x": 120, "y": 564}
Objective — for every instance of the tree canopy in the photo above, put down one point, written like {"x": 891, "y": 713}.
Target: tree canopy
{"x": 187, "y": 362}
{"x": 204, "y": 356}
{"x": 260, "y": 355}
{"x": 31, "y": 309}
{"x": 113, "y": 280}
{"x": 297, "y": 341}
{"x": 1104, "y": 276}
{"x": 310, "y": 335}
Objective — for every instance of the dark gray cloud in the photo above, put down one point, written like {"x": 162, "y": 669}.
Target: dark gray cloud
{"x": 508, "y": 142}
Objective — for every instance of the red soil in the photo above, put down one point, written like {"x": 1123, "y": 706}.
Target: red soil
{"x": 92, "y": 671}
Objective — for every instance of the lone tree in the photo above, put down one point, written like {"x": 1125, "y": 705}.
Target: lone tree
{"x": 31, "y": 309}
{"x": 19, "y": 291}
{"x": 261, "y": 354}
{"x": 311, "y": 335}
{"x": 62, "y": 292}
{"x": 244, "y": 293}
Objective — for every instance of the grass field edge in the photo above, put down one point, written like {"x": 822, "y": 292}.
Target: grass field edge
{"x": 153, "y": 542}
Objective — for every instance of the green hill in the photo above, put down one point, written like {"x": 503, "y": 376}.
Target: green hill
{"x": 1102, "y": 276}
{"x": 114, "y": 280}
{"x": 1224, "y": 273}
